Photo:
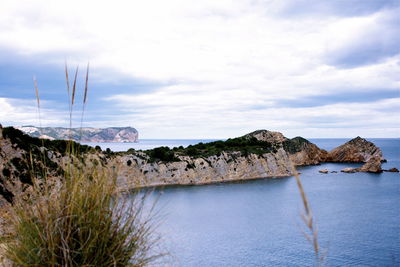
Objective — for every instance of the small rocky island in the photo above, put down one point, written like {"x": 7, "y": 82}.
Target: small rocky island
{"x": 86, "y": 134}
{"x": 260, "y": 154}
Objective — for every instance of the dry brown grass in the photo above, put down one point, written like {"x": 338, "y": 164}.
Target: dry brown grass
{"x": 311, "y": 232}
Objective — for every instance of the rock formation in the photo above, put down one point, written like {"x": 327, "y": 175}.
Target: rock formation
{"x": 324, "y": 171}
{"x": 267, "y": 136}
{"x": 356, "y": 150}
{"x": 392, "y": 170}
{"x": 304, "y": 153}
{"x": 96, "y": 135}
{"x": 372, "y": 165}
{"x": 136, "y": 170}
{"x": 260, "y": 154}
{"x": 349, "y": 170}
{"x": 301, "y": 151}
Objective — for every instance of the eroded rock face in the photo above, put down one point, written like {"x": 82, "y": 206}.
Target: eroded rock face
{"x": 372, "y": 165}
{"x": 229, "y": 166}
{"x": 268, "y": 136}
{"x": 356, "y": 150}
{"x": 303, "y": 153}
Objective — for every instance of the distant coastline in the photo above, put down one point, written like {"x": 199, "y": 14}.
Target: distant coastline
{"x": 85, "y": 134}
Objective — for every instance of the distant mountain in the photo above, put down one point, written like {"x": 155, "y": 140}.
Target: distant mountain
{"x": 96, "y": 135}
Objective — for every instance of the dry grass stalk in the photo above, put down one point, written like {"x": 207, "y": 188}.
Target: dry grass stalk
{"x": 72, "y": 98}
{"x": 308, "y": 220}
{"x": 68, "y": 92}
{"x": 84, "y": 97}
{"x": 35, "y": 84}
{"x": 74, "y": 87}
{"x": 86, "y": 84}
{"x": 67, "y": 81}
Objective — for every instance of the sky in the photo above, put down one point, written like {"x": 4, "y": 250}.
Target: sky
{"x": 185, "y": 69}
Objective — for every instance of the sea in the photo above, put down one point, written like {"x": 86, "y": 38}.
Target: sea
{"x": 259, "y": 222}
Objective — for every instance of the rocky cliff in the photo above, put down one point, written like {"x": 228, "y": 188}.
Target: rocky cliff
{"x": 96, "y": 135}
{"x": 260, "y": 154}
{"x": 256, "y": 155}
{"x": 356, "y": 150}
{"x": 301, "y": 151}
{"x": 136, "y": 169}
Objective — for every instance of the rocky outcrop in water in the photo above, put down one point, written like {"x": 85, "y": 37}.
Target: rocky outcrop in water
{"x": 373, "y": 165}
{"x": 96, "y": 135}
{"x": 356, "y": 150}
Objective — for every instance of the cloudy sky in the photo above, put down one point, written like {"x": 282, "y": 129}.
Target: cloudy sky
{"x": 206, "y": 69}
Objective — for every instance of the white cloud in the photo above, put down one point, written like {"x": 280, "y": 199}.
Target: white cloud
{"x": 230, "y": 63}
{"x": 19, "y": 112}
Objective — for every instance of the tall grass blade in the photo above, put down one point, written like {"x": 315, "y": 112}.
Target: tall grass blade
{"x": 35, "y": 84}
{"x": 74, "y": 86}
{"x": 86, "y": 84}
{"x": 67, "y": 81}
{"x": 68, "y": 86}
{"x": 308, "y": 220}
{"x": 72, "y": 101}
{"x": 84, "y": 97}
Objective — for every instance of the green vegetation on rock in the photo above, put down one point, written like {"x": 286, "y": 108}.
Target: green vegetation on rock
{"x": 295, "y": 144}
{"x": 244, "y": 145}
{"x": 161, "y": 154}
{"x": 27, "y": 143}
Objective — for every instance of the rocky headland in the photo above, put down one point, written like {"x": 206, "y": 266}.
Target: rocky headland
{"x": 356, "y": 150}
{"x": 86, "y": 134}
{"x": 260, "y": 154}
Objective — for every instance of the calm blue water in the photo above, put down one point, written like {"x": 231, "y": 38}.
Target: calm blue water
{"x": 257, "y": 223}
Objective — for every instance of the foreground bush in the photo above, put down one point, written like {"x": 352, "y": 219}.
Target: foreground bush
{"x": 81, "y": 223}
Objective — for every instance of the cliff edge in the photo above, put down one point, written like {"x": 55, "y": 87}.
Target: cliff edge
{"x": 260, "y": 154}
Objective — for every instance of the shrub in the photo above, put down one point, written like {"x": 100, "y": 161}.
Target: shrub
{"x": 163, "y": 153}
{"x": 83, "y": 223}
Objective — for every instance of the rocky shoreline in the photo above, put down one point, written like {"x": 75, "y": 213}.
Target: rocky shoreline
{"x": 260, "y": 154}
